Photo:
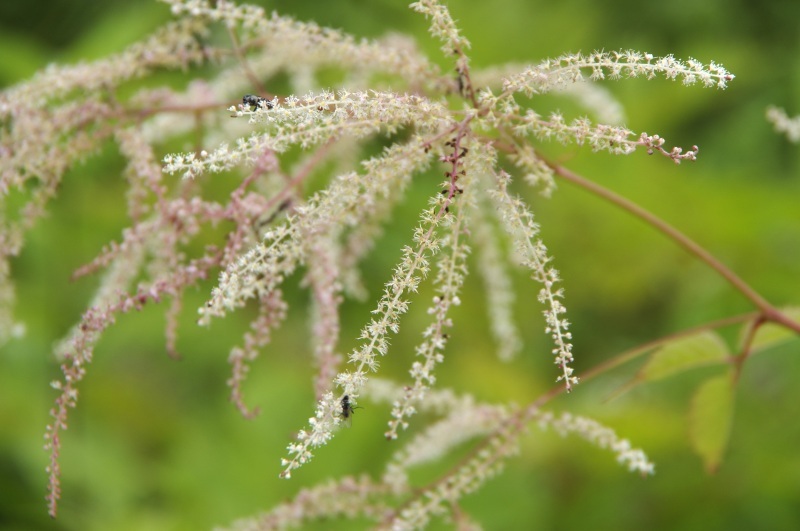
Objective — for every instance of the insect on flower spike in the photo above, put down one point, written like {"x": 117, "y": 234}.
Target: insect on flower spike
{"x": 251, "y": 100}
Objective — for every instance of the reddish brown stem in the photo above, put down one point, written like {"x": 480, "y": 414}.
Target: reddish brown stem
{"x": 767, "y": 310}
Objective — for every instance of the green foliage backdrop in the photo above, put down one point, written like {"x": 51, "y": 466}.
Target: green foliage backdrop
{"x": 155, "y": 444}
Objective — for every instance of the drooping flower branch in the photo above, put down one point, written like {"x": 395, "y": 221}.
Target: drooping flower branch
{"x": 473, "y": 127}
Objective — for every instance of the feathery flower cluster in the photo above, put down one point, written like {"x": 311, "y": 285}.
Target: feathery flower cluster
{"x": 464, "y": 421}
{"x": 347, "y": 199}
{"x": 347, "y": 497}
{"x": 272, "y": 311}
{"x": 568, "y": 69}
{"x": 409, "y": 272}
{"x": 394, "y": 502}
{"x": 59, "y": 117}
{"x": 442, "y": 26}
{"x": 611, "y": 138}
{"x": 498, "y": 286}
{"x": 312, "y": 120}
{"x": 291, "y": 44}
{"x": 532, "y": 253}
{"x": 487, "y": 463}
{"x": 790, "y": 126}
{"x": 450, "y": 276}
{"x": 65, "y": 113}
{"x": 538, "y": 173}
{"x": 601, "y": 436}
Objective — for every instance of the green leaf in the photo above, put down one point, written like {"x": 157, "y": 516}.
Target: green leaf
{"x": 710, "y": 419}
{"x": 688, "y": 352}
{"x": 705, "y": 348}
{"x": 771, "y": 334}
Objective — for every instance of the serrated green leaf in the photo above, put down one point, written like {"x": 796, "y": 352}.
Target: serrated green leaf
{"x": 705, "y": 348}
{"x": 710, "y": 419}
{"x": 771, "y": 334}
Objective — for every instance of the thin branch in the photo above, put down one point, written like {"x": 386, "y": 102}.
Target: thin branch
{"x": 768, "y": 310}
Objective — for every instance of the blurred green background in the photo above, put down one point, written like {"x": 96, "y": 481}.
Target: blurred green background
{"x": 154, "y": 443}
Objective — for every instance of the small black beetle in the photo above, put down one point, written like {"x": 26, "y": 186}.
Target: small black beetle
{"x": 251, "y": 100}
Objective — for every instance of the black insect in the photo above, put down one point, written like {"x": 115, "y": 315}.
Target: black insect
{"x": 251, "y": 100}
{"x": 347, "y": 408}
